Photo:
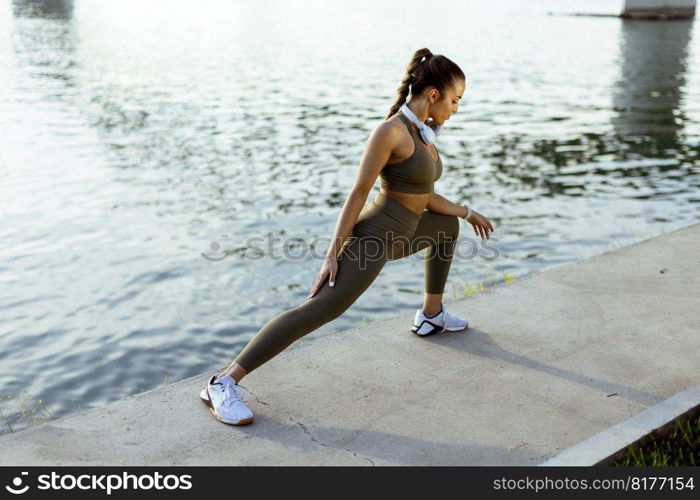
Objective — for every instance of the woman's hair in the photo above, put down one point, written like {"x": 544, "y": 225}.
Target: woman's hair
{"x": 426, "y": 69}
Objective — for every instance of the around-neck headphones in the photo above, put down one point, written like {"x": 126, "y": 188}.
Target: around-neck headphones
{"x": 427, "y": 133}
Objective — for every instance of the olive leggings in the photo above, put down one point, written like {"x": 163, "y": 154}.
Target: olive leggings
{"x": 385, "y": 230}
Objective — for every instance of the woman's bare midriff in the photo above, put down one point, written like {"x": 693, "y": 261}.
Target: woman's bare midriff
{"x": 416, "y": 203}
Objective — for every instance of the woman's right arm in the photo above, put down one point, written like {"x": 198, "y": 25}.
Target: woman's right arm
{"x": 378, "y": 149}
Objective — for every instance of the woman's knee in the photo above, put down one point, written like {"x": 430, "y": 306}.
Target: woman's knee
{"x": 451, "y": 227}
{"x": 454, "y": 226}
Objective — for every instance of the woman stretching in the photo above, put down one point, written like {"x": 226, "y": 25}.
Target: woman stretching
{"x": 405, "y": 217}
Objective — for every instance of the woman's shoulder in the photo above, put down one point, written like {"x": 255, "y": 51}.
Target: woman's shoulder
{"x": 390, "y": 130}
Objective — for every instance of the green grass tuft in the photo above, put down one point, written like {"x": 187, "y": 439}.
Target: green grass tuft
{"x": 681, "y": 446}
{"x": 469, "y": 289}
{"x": 23, "y": 410}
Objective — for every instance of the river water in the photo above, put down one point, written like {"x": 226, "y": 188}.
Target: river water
{"x": 146, "y": 145}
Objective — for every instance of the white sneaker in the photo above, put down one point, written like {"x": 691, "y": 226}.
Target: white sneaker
{"x": 225, "y": 400}
{"x": 443, "y": 322}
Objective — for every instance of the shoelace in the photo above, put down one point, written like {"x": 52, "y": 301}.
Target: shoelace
{"x": 450, "y": 317}
{"x": 445, "y": 315}
{"x": 233, "y": 393}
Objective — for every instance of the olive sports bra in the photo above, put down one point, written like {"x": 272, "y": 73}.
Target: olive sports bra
{"x": 415, "y": 174}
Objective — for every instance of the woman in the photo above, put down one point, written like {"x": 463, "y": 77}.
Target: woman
{"x": 396, "y": 224}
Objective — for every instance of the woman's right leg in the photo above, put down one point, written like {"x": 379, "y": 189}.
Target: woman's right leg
{"x": 359, "y": 263}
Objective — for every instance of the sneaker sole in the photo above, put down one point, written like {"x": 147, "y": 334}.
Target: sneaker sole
{"x": 458, "y": 330}
{"x": 431, "y": 332}
{"x": 207, "y": 403}
{"x": 436, "y": 330}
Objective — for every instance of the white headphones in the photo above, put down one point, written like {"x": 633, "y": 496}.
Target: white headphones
{"x": 428, "y": 134}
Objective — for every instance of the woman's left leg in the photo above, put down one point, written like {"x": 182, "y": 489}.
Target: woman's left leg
{"x": 438, "y": 233}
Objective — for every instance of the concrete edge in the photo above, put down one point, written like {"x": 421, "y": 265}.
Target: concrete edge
{"x": 611, "y": 444}
{"x": 102, "y": 406}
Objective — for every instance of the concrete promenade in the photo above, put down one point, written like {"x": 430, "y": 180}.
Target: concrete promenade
{"x": 548, "y": 361}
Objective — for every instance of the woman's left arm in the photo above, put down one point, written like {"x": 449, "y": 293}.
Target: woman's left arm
{"x": 481, "y": 224}
{"x": 441, "y": 205}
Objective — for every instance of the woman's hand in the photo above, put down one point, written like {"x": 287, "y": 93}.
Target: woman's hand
{"x": 329, "y": 269}
{"x": 482, "y": 226}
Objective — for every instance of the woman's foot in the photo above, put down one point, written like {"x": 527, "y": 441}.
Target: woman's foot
{"x": 442, "y": 322}
{"x": 225, "y": 400}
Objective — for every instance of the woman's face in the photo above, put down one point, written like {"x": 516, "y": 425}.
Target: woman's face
{"x": 441, "y": 110}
